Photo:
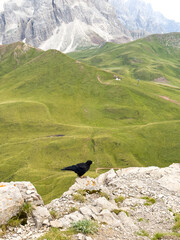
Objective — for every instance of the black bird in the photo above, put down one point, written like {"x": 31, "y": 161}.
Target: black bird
{"x": 80, "y": 168}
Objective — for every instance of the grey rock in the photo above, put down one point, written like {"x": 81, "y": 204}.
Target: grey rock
{"x": 110, "y": 175}
{"x": 88, "y": 238}
{"x": 132, "y": 183}
{"x": 127, "y": 222}
{"x": 46, "y": 222}
{"x": 40, "y": 214}
{"x": 80, "y": 236}
{"x": 56, "y": 224}
{"x": 29, "y": 193}
{"x": 107, "y": 217}
{"x": 76, "y": 216}
{"x": 139, "y": 15}
{"x": 62, "y": 25}
{"x": 11, "y": 201}
{"x": 86, "y": 211}
{"x": 103, "y": 203}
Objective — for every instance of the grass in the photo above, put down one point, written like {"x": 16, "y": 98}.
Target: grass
{"x": 145, "y": 59}
{"x": 119, "y": 199}
{"x": 73, "y": 209}
{"x": 21, "y": 217}
{"x": 56, "y": 234}
{"x": 54, "y": 112}
{"x": 79, "y": 198}
{"x": 103, "y": 194}
{"x": 143, "y": 233}
{"x": 161, "y": 235}
{"x": 149, "y": 201}
{"x": 85, "y": 226}
{"x": 84, "y": 192}
{"x": 176, "y": 226}
{"x": 117, "y": 211}
{"x": 27, "y": 208}
{"x": 54, "y": 214}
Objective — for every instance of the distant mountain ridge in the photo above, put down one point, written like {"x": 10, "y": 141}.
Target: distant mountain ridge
{"x": 139, "y": 15}
{"x": 69, "y": 25}
{"x": 151, "y": 58}
{"x": 62, "y": 25}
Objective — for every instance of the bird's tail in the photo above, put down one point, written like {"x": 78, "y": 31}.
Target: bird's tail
{"x": 68, "y": 168}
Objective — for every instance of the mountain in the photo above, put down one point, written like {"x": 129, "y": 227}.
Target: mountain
{"x": 69, "y": 25}
{"x": 63, "y": 25}
{"x": 154, "y": 58}
{"x": 56, "y": 111}
{"x": 139, "y": 15}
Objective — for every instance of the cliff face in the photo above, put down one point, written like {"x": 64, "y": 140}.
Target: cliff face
{"x": 63, "y": 25}
{"x": 126, "y": 204}
{"x": 67, "y": 25}
{"x": 139, "y": 15}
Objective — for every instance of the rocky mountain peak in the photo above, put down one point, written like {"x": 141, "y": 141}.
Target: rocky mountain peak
{"x": 62, "y": 25}
{"x": 139, "y": 15}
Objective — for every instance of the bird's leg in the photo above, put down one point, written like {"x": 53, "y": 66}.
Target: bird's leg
{"x": 83, "y": 177}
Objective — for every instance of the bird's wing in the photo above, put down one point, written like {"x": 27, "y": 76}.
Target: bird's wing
{"x": 71, "y": 168}
{"x": 79, "y": 168}
{"x": 82, "y": 166}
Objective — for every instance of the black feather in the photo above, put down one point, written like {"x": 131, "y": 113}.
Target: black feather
{"x": 80, "y": 168}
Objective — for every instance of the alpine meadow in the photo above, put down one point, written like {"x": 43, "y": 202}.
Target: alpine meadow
{"x": 117, "y": 105}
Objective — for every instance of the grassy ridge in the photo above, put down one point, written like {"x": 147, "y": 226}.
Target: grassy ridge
{"x": 114, "y": 123}
{"x": 144, "y": 59}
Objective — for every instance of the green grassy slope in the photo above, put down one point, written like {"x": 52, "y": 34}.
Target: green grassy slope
{"x": 114, "y": 123}
{"x": 144, "y": 59}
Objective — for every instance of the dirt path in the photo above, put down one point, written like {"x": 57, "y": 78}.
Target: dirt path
{"x": 170, "y": 100}
{"x": 167, "y": 85}
{"x": 99, "y": 80}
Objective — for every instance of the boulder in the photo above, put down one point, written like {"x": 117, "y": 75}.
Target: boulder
{"x": 56, "y": 224}
{"x": 29, "y": 193}
{"x": 107, "y": 217}
{"x": 11, "y": 201}
{"x": 127, "y": 222}
{"x": 104, "y": 204}
{"x": 40, "y": 214}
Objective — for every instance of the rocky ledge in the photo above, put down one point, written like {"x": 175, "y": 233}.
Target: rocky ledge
{"x": 132, "y": 203}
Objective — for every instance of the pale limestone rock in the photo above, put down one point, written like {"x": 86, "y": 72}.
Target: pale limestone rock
{"x": 104, "y": 204}
{"x": 175, "y": 166}
{"x": 75, "y": 216}
{"x": 66, "y": 221}
{"x": 10, "y": 201}
{"x": 127, "y": 222}
{"x": 86, "y": 211}
{"x": 40, "y": 214}
{"x": 46, "y": 222}
{"x": 84, "y": 183}
{"x": 107, "y": 217}
{"x": 171, "y": 183}
{"x": 29, "y": 193}
{"x": 56, "y": 224}
{"x": 101, "y": 178}
{"x": 135, "y": 183}
{"x": 110, "y": 175}
{"x": 80, "y": 236}
{"x": 133, "y": 202}
{"x": 88, "y": 238}
{"x": 136, "y": 170}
